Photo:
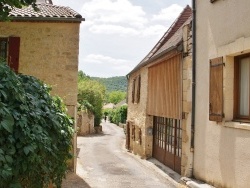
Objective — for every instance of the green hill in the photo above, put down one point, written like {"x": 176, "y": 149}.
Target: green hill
{"x": 118, "y": 83}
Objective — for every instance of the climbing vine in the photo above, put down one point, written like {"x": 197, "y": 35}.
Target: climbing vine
{"x": 35, "y": 133}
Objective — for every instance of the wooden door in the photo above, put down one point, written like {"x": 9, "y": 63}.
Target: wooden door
{"x": 167, "y": 142}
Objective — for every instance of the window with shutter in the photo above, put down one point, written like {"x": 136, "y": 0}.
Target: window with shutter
{"x": 9, "y": 51}
{"x": 3, "y": 49}
{"x": 13, "y": 53}
{"x": 138, "y": 93}
{"x": 242, "y": 87}
{"x": 133, "y": 91}
{"x": 136, "y": 90}
{"x": 216, "y": 90}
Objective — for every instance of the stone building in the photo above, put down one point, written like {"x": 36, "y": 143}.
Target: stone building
{"x": 45, "y": 44}
{"x": 159, "y": 99}
{"x": 222, "y": 128}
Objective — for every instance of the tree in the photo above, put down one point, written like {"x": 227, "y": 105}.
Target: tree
{"x": 92, "y": 92}
{"x": 116, "y": 96}
{"x": 82, "y": 76}
{"x": 7, "y": 5}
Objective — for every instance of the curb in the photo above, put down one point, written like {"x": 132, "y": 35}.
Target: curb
{"x": 192, "y": 183}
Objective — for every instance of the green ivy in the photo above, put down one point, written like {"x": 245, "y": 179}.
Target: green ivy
{"x": 35, "y": 133}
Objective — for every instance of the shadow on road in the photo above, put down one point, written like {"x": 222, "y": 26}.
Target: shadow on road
{"x": 95, "y": 135}
{"x": 74, "y": 181}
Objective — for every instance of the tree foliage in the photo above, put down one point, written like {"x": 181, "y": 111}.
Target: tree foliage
{"x": 82, "y": 76}
{"x": 118, "y": 115}
{"x": 118, "y": 83}
{"x": 91, "y": 92}
{"x": 116, "y": 96}
{"x": 35, "y": 133}
{"x": 7, "y": 5}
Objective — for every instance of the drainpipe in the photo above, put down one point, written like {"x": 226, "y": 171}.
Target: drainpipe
{"x": 193, "y": 77}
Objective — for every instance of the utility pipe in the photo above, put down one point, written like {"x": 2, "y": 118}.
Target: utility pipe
{"x": 193, "y": 73}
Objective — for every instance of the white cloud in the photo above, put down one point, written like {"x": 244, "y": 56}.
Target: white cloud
{"x": 168, "y": 14}
{"x": 104, "y": 66}
{"x": 113, "y": 29}
{"x": 157, "y": 30}
{"x": 101, "y": 59}
{"x": 116, "y": 11}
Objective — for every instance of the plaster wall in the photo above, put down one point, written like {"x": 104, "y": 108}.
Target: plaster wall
{"x": 49, "y": 51}
{"x": 222, "y": 150}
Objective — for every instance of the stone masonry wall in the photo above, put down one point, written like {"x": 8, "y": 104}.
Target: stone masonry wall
{"x": 187, "y": 153}
{"x": 49, "y": 51}
{"x": 137, "y": 115}
{"x": 85, "y": 124}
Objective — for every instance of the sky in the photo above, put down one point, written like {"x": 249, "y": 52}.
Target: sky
{"x": 117, "y": 34}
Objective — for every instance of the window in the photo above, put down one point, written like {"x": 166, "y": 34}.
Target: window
{"x": 9, "y": 51}
{"x": 241, "y": 87}
{"x": 3, "y": 49}
{"x": 136, "y": 89}
{"x": 216, "y": 90}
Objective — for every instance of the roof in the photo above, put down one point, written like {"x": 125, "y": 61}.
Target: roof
{"x": 46, "y": 12}
{"x": 108, "y": 106}
{"x": 121, "y": 103}
{"x": 169, "y": 40}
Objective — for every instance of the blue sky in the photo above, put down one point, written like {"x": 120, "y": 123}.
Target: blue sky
{"x": 118, "y": 34}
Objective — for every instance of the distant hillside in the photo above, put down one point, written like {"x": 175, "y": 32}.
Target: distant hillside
{"x": 118, "y": 83}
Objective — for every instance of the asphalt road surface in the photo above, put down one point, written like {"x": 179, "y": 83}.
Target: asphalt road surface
{"x": 103, "y": 162}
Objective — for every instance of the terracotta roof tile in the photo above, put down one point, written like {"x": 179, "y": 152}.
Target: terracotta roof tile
{"x": 45, "y": 11}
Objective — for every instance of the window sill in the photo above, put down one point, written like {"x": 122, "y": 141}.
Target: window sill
{"x": 237, "y": 125}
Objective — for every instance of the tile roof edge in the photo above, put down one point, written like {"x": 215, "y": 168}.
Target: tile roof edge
{"x": 158, "y": 45}
{"x": 77, "y": 17}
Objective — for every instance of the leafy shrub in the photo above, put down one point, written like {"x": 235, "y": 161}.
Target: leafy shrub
{"x": 92, "y": 93}
{"x": 35, "y": 133}
{"x": 118, "y": 115}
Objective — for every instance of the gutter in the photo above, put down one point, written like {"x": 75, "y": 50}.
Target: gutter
{"x": 193, "y": 79}
{"x": 47, "y": 19}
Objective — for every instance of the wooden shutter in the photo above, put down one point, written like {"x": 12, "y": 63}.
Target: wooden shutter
{"x": 216, "y": 90}
{"x": 138, "y": 93}
{"x": 133, "y": 91}
{"x": 13, "y": 51}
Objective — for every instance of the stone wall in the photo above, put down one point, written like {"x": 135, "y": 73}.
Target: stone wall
{"x": 187, "y": 151}
{"x": 85, "y": 124}
{"x": 137, "y": 116}
{"x": 49, "y": 51}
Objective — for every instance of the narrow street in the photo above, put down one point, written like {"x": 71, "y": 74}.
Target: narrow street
{"x": 103, "y": 162}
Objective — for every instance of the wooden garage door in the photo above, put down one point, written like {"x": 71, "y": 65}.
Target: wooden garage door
{"x": 167, "y": 142}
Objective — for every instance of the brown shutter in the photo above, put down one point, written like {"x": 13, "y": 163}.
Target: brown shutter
{"x": 216, "y": 90}
{"x": 138, "y": 89}
{"x": 133, "y": 91}
{"x": 13, "y": 51}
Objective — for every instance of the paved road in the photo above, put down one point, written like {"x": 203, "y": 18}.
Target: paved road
{"x": 104, "y": 163}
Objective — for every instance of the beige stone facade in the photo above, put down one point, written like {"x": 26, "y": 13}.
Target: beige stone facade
{"x": 138, "y": 118}
{"x": 222, "y": 153}
{"x": 49, "y": 51}
{"x": 140, "y": 123}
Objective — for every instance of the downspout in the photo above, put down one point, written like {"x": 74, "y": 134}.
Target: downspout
{"x": 193, "y": 78}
